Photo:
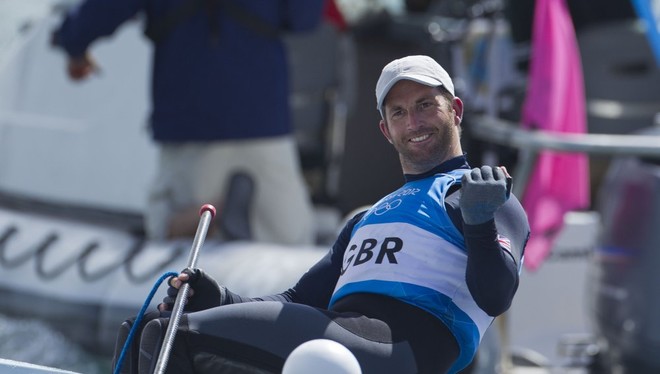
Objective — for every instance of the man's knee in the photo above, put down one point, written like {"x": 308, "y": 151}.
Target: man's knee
{"x": 130, "y": 350}
{"x": 151, "y": 342}
{"x": 122, "y": 337}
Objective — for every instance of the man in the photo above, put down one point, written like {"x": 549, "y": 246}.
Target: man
{"x": 410, "y": 285}
{"x": 220, "y": 105}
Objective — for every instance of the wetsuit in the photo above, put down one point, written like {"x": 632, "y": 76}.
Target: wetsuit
{"x": 407, "y": 287}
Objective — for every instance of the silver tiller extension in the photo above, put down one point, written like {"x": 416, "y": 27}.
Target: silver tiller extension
{"x": 207, "y": 212}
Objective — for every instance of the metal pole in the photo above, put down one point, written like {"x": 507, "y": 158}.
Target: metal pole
{"x": 207, "y": 212}
{"x": 531, "y": 142}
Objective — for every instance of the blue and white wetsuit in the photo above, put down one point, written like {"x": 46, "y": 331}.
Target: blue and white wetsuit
{"x": 407, "y": 287}
{"x": 406, "y": 247}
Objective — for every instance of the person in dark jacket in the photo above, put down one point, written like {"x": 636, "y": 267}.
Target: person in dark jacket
{"x": 410, "y": 285}
{"x": 220, "y": 104}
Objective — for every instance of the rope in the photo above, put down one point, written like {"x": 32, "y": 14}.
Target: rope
{"x": 138, "y": 320}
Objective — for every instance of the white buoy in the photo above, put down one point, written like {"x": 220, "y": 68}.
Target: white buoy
{"x": 321, "y": 356}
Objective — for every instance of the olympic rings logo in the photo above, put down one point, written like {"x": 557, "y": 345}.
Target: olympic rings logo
{"x": 386, "y": 207}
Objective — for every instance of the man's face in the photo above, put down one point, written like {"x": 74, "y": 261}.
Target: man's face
{"x": 422, "y": 125}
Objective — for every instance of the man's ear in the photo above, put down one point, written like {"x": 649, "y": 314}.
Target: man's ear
{"x": 457, "y": 105}
{"x": 386, "y": 132}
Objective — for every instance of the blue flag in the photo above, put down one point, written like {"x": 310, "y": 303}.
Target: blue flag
{"x": 649, "y": 12}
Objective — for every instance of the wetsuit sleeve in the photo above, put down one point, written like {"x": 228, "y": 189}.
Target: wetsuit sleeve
{"x": 495, "y": 250}
{"x": 91, "y": 20}
{"x": 316, "y": 286}
{"x": 303, "y": 15}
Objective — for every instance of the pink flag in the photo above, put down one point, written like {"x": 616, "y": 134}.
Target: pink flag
{"x": 555, "y": 102}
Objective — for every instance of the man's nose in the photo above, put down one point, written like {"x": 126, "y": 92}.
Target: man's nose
{"x": 413, "y": 119}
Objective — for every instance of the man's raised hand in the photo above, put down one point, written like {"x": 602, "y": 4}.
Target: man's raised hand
{"x": 483, "y": 191}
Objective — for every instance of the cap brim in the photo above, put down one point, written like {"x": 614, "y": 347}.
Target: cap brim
{"x": 421, "y": 79}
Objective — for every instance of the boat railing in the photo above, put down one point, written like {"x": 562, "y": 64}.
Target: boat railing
{"x": 530, "y": 143}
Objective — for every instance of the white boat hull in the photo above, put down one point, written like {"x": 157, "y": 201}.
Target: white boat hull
{"x": 86, "y": 279}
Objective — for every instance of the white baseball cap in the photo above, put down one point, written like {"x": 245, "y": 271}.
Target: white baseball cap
{"x": 420, "y": 69}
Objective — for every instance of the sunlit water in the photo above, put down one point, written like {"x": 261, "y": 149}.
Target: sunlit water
{"x": 36, "y": 343}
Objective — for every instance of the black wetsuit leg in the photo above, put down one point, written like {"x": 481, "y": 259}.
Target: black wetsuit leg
{"x": 257, "y": 337}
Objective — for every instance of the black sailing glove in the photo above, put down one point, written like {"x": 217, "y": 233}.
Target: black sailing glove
{"x": 483, "y": 191}
{"x": 206, "y": 292}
